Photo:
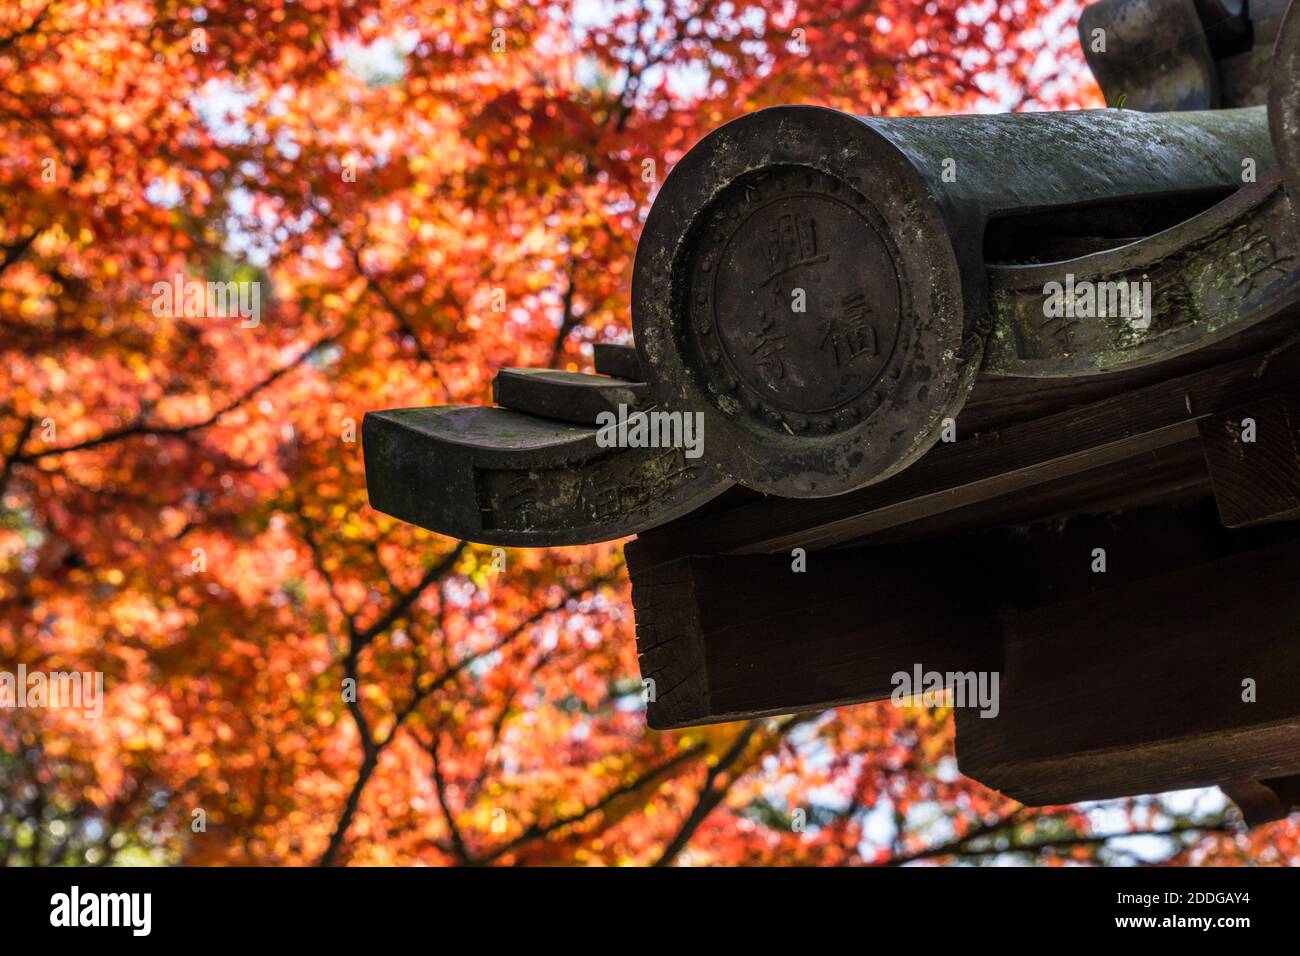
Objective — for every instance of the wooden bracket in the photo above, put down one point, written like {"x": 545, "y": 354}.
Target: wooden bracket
{"x": 1263, "y": 801}
{"x": 1174, "y": 664}
{"x": 1186, "y": 679}
{"x": 732, "y": 637}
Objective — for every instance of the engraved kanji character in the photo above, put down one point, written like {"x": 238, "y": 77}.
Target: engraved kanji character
{"x": 768, "y": 347}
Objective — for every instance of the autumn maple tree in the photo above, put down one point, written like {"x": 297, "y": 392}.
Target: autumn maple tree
{"x": 424, "y": 192}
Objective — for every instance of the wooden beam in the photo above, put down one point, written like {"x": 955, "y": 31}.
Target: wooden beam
{"x": 1253, "y": 453}
{"x": 738, "y": 636}
{"x": 1140, "y": 688}
{"x": 726, "y": 638}
{"x": 1172, "y": 475}
{"x": 1108, "y": 434}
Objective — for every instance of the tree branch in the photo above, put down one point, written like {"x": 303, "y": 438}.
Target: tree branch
{"x": 709, "y": 797}
{"x": 23, "y": 434}
{"x": 371, "y": 748}
{"x": 538, "y": 831}
{"x": 12, "y": 38}
{"x": 140, "y": 427}
{"x": 568, "y": 321}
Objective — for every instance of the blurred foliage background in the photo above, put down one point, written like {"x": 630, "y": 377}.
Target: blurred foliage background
{"x": 184, "y": 504}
